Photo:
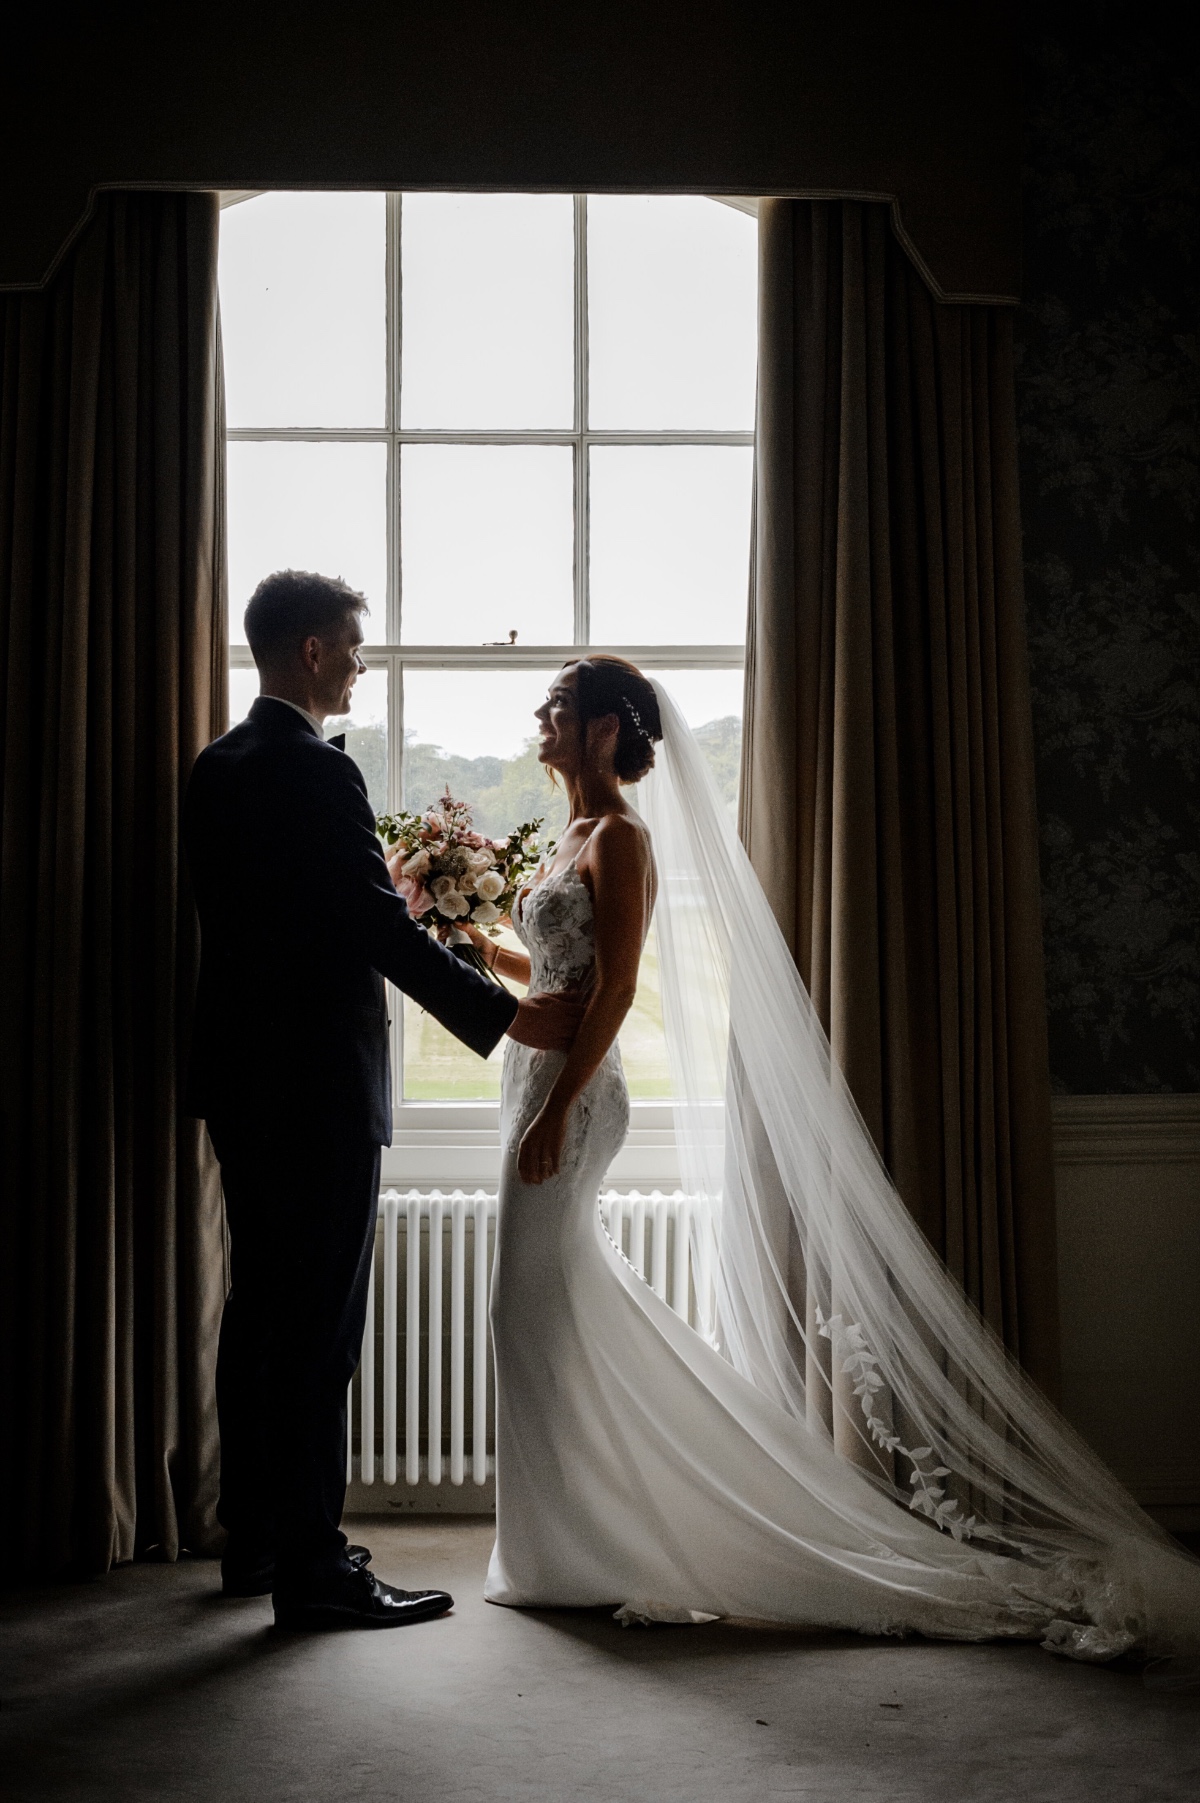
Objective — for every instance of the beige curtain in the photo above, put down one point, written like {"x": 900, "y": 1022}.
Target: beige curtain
{"x": 112, "y": 628}
{"x": 888, "y": 791}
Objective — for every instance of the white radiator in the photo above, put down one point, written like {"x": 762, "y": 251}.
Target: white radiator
{"x": 426, "y": 1353}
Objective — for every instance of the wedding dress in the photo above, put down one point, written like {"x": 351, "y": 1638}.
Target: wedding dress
{"x": 847, "y": 1446}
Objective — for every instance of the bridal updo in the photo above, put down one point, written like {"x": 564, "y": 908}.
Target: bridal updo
{"x": 612, "y": 685}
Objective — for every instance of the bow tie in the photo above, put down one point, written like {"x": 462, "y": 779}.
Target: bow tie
{"x": 338, "y": 741}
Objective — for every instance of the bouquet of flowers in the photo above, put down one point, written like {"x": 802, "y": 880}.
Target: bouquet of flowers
{"x": 446, "y": 871}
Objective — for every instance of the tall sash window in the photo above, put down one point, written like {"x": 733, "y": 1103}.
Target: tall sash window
{"x": 522, "y": 425}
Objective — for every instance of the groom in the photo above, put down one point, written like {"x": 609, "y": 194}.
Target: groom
{"x": 300, "y": 924}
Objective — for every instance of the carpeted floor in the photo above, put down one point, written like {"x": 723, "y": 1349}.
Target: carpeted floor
{"x": 144, "y": 1685}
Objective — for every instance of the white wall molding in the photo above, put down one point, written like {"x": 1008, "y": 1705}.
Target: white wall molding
{"x": 1127, "y": 1129}
{"x": 1127, "y": 1172}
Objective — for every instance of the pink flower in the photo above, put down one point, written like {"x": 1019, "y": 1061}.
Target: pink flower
{"x": 414, "y": 892}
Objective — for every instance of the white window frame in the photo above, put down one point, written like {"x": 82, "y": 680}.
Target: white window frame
{"x": 440, "y": 1142}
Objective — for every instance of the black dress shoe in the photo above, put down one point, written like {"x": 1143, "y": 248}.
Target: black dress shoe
{"x": 359, "y": 1600}
{"x": 241, "y": 1577}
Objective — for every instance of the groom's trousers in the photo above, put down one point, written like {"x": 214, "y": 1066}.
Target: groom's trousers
{"x": 301, "y": 1215}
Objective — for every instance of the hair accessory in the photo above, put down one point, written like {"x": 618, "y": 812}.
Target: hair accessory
{"x": 637, "y": 719}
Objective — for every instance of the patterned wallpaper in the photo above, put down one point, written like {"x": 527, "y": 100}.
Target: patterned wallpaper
{"x": 1109, "y": 405}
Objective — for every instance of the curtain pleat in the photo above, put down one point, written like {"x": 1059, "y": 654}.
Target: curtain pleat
{"x": 112, "y": 623}
{"x": 888, "y": 793}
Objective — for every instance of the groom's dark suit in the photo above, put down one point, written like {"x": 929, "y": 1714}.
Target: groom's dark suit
{"x": 299, "y": 924}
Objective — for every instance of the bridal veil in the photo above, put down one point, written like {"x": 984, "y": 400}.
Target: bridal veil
{"x": 818, "y": 1286}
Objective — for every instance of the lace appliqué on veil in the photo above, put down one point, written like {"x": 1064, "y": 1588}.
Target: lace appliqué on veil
{"x": 1099, "y": 1633}
{"x": 928, "y": 1494}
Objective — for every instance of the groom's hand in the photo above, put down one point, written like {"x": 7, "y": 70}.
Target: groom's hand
{"x": 549, "y": 1023}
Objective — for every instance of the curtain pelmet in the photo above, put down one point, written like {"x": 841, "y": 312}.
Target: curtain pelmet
{"x": 888, "y": 798}
{"x": 112, "y": 622}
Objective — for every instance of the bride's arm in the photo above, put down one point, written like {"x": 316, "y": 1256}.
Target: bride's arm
{"x": 619, "y": 866}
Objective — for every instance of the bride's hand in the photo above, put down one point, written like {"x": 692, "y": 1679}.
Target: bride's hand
{"x": 479, "y": 939}
{"x": 541, "y": 1147}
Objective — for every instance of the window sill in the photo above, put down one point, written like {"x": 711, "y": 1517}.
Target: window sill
{"x": 457, "y": 1144}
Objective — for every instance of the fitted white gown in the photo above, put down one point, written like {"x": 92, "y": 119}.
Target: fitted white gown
{"x": 636, "y": 1468}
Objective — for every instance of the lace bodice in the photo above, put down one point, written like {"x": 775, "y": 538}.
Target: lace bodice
{"x": 556, "y": 925}
{"x": 555, "y": 922}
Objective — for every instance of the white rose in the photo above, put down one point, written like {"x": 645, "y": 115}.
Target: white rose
{"x": 481, "y": 861}
{"x": 465, "y": 883}
{"x": 486, "y": 914}
{"x": 417, "y": 865}
{"x": 442, "y": 885}
{"x": 489, "y": 887}
{"x": 452, "y": 904}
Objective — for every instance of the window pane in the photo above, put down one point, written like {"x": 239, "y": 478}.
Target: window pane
{"x": 365, "y": 726}
{"x": 670, "y": 543}
{"x": 474, "y": 731}
{"x": 302, "y": 310}
{"x": 641, "y": 1038}
{"x": 672, "y": 304}
{"x": 489, "y": 311}
{"x": 486, "y": 544}
{"x": 711, "y": 702}
{"x": 366, "y": 730}
{"x": 308, "y": 507}
{"x": 243, "y": 687}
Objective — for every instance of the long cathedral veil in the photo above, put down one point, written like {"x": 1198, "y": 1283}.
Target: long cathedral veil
{"x": 825, "y": 1294}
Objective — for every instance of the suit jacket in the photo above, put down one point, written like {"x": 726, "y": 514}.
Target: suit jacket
{"x": 299, "y": 925}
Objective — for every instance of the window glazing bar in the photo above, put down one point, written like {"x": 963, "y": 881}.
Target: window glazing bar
{"x": 582, "y": 510}
{"x": 533, "y": 657}
{"x": 377, "y": 434}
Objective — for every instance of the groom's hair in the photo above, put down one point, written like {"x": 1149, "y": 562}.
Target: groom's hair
{"x": 293, "y": 605}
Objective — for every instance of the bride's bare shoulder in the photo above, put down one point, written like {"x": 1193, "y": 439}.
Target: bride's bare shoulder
{"x": 621, "y": 846}
{"x": 622, "y": 835}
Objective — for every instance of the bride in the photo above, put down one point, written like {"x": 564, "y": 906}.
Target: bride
{"x": 846, "y": 1445}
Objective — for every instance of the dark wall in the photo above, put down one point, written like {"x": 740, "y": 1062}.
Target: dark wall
{"x": 1109, "y": 400}
{"x": 912, "y": 98}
